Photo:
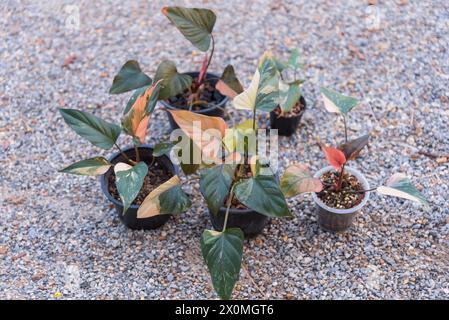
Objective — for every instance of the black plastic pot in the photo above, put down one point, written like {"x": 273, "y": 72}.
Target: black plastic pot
{"x": 287, "y": 125}
{"x": 129, "y": 219}
{"x": 213, "y": 111}
{"x": 339, "y": 220}
{"x": 251, "y": 222}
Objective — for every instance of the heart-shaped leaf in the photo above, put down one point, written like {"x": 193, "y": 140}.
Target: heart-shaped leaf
{"x": 263, "y": 195}
{"x": 352, "y": 148}
{"x": 222, "y": 253}
{"x": 400, "y": 186}
{"x": 263, "y": 92}
{"x": 297, "y": 179}
{"x": 215, "y": 183}
{"x": 135, "y": 122}
{"x": 97, "y": 131}
{"x": 195, "y": 24}
{"x": 228, "y": 84}
{"x": 89, "y": 167}
{"x": 289, "y": 94}
{"x": 129, "y": 180}
{"x": 334, "y": 156}
{"x": 129, "y": 77}
{"x": 336, "y": 102}
{"x": 172, "y": 82}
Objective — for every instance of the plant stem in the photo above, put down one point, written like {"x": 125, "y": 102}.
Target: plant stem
{"x": 254, "y": 119}
{"x": 231, "y": 197}
{"x": 361, "y": 191}
{"x": 124, "y": 155}
{"x": 211, "y": 53}
{"x": 340, "y": 178}
{"x": 346, "y": 128}
{"x": 137, "y": 153}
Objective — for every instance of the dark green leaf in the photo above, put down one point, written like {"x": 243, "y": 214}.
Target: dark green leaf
{"x": 162, "y": 148}
{"x": 172, "y": 82}
{"x": 97, "y": 131}
{"x": 262, "y": 194}
{"x": 130, "y": 77}
{"x": 215, "y": 183}
{"x": 222, "y": 253}
{"x": 174, "y": 200}
{"x": 195, "y": 24}
{"x": 352, "y": 148}
{"x": 129, "y": 180}
{"x": 89, "y": 167}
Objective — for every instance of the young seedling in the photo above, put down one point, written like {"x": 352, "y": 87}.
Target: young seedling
{"x": 338, "y": 189}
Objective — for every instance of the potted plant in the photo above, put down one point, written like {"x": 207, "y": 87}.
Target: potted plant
{"x": 292, "y": 105}
{"x": 145, "y": 189}
{"x": 339, "y": 191}
{"x": 241, "y": 190}
{"x": 193, "y": 91}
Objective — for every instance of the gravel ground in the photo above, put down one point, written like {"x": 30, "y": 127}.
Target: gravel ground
{"x": 59, "y": 236}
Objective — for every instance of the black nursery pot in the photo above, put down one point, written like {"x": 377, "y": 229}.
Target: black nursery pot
{"x": 213, "y": 111}
{"x": 129, "y": 219}
{"x": 287, "y": 125}
{"x": 251, "y": 222}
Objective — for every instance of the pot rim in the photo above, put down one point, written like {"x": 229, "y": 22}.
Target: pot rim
{"x": 219, "y": 105}
{"x": 104, "y": 183}
{"x": 361, "y": 179}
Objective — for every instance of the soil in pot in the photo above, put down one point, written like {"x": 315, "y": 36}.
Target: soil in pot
{"x": 347, "y": 197}
{"x": 286, "y": 123}
{"x": 206, "y": 95}
{"x": 157, "y": 175}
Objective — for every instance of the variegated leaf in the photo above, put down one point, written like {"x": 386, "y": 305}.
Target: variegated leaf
{"x": 400, "y": 186}
{"x": 297, "y": 179}
{"x": 89, "y": 167}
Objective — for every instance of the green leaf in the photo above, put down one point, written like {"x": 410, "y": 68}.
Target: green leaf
{"x": 162, "y": 148}
{"x": 129, "y": 77}
{"x": 297, "y": 179}
{"x": 172, "y": 82}
{"x": 89, "y": 167}
{"x": 222, "y": 253}
{"x": 294, "y": 62}
{"x": 195, "y": 24}
{"x": 129, "y": 180}
{"x": 400, "y": 186}
{"x": 280, "y": 65}
{"x": 97, "y": 131}
{"x": 174, "y": 201}
{"x": 137, "y": 93}
{"x": 262, "y": 194}
{"x": 336, "y": 102}
{"x": 289, "y": 95}
{"x": 268, "y": 91}
{"x": 215, "y": 183}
